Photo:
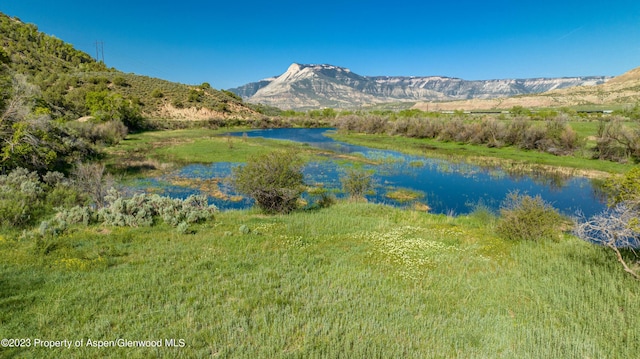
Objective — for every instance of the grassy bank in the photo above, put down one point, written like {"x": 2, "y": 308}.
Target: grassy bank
{"x": 353, "y": 280}
{"x": 145, "y": 152}
{"x": 483, "y": 155}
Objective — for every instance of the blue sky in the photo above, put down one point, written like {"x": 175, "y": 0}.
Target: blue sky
{"x": 230, "y": 43}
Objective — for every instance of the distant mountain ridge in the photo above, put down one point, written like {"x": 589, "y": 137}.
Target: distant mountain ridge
{"x": 316, "y": 86}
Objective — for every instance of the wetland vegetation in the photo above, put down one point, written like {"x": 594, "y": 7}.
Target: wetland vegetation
{"x": 337, "y": 276}
{"x": 350, "y": 279}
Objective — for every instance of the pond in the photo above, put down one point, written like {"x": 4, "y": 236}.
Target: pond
{"x": 400, "y": 180}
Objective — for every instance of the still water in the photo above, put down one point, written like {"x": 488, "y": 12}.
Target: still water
{"x": 446, "y": 187}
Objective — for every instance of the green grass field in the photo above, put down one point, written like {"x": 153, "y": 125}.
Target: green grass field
{"x": 355, "y": 280}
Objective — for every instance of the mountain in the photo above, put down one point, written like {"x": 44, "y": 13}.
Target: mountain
{"x": 617, "y": 92}
{"x": 316, "y": 86}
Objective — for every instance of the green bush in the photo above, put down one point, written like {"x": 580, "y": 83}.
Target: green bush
{"x": 321, "y": 198}
{"x": 356, "y": 183}
{"x": 141, "y": 210}
{"x": 108, "y": 133}
{"x": 20, "y": 198}
{"x": 274, "y": 180}
{"x": 523, "y": 217}
{"x": 555, "y": 136}
{"x": 25, "y": 198}
{"x": 78, "y": 214}
{"x": 195, "y": 96}
{"x": 177, "y": 103}
{"x": 624, "y": 189}
{"x": 120, "y": 81}
{"x": 157, "y": 93}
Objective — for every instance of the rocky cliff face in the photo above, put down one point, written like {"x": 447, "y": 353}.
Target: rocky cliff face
{"x": 317, "y": 86}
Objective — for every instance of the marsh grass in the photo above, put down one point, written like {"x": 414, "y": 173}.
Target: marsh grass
{"x": 156, "y": 152}
{"x": 404, "y": 195}
{"x": 354, "y": 280}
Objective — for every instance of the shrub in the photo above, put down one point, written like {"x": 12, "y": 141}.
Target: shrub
{"x": 109, "y": 133}
{"x": 157, "y": 93}
{"x": 20, "y": 197}
{"x": 490, "y": 132}
{"x": 274, "y": 180}
{"x": 141, "y": 210}
{"x": 619, "y": 226}
{"x": 454, "y": 130}
{"x": 52, "y": 228}
{"x": 625, "y": 188}
{"x": 375, "y": 125}
{"x": 64, "y": 196}
{"x": 193, "y": 209}
{"x": 617, "y": 142}
{"x": 120, "y": 81}
{"x": 356, "y": 183}
{"x": 91, "y": 179}
{"x": 527, "y": 218}
{"x": 616, "y": 228}
{"x": 321, "y": 198}
{"x": 183, "y": 228}
{"x": 76, "y": 215}
{"x": 132, "y": 212}
{"x": 516, "y": 131}
{"x": 177, "y": 103}
{"x": 24, "y": 198}
{"x": 195, "y": 96}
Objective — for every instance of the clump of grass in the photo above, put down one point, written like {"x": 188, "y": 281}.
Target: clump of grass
{"x": 404, "y": 195}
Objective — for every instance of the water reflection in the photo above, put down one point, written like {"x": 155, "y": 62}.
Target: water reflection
{"x": 444, "y": 186}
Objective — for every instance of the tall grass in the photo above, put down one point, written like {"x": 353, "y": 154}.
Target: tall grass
{"x": 354, "y": 280}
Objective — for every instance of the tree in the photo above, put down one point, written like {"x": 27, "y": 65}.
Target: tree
{"x": 274, "y": 180}
{"x": 618, "y": 227}
{"x": 106, "y": 106}
{"x": 616, "y": 141}
{"x": 23, "y": 143}
{"x": 625, "y": 189}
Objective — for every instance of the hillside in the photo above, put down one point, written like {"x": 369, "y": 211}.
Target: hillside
{"x": 316, "y": 86}
{"x": 59, "y": 107}
{"x": 63, "y": 76}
